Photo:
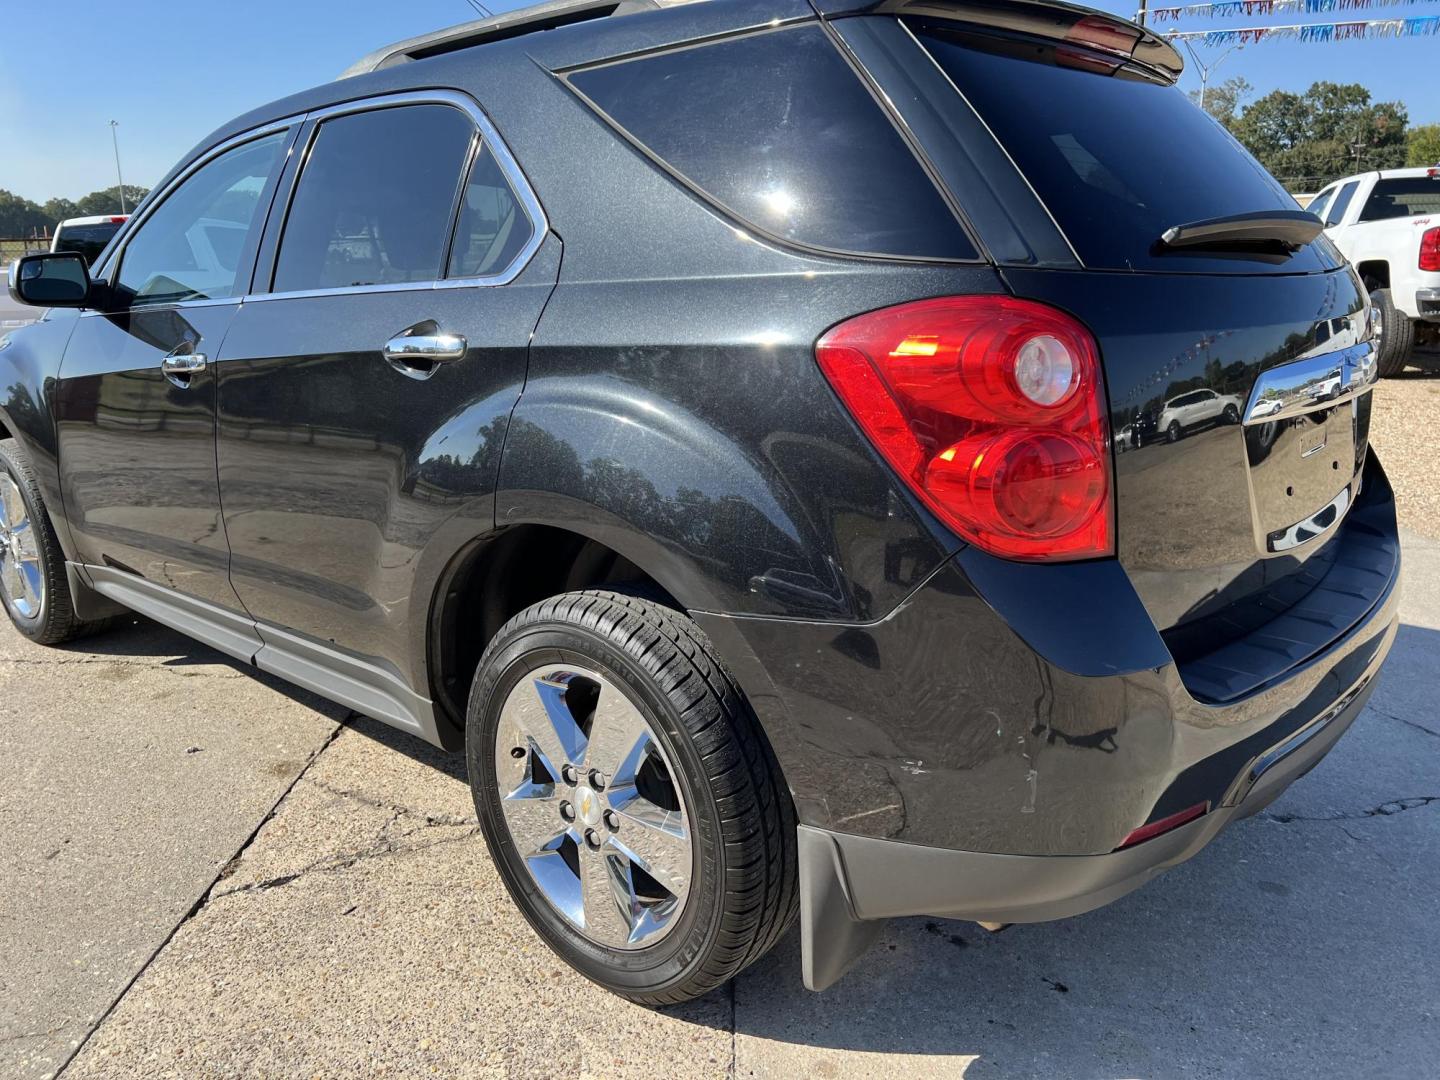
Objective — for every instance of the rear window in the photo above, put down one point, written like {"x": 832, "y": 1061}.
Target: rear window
{"x": 1402, "y": 197}
{"x": 1116, "y": 158}
{"x": 88, "y": 240}
{"x": 778, "y": 130}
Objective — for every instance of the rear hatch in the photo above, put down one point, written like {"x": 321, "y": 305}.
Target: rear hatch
{"x": 1234, "y": 339}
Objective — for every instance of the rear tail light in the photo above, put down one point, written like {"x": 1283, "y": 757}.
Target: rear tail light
{"x": 990, "y": 409}
{"x": 1430, "y": 249}
{"x": 117, "y": 220}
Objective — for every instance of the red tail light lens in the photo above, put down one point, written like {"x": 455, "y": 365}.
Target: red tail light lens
{"x": 990, "y": 408}
{"x": 1430, "y": 249}
{"x": 1164, "y": 825}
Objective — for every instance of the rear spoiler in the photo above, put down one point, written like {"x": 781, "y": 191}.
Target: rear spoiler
{"x": 1054, "y": 20}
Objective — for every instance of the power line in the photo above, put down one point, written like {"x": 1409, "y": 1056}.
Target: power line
{"x": 480, "y": 8}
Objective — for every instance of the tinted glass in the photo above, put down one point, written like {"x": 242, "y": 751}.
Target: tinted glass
{"x": 1341, "y": 204}
{"x": 1402, "y": 197}
{"x": 1320, "y": 202}
{"x": 776, "y": 128}
{"x": 375, "y": 200}
{"x": 190, "y": 248}
{"x": 88, "y": 240}
{"x": 1117, "y": 158}
{"x": 492, "y": 227}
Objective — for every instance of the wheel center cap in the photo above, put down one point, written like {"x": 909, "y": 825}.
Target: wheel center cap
{"x": 587, "y": 804}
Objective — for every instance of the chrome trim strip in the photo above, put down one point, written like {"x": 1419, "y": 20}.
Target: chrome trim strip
{"x": 1317, "y": 524}
{"x": 1299, "y": 387}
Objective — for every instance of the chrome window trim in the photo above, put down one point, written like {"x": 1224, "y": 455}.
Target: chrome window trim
{"x": 111, "y": 266}
{"x": 489, "y": 137}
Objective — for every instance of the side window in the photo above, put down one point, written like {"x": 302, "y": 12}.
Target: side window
{"x": 1341, "y": 204}
{"x": 493, "y": 227}
{"x": 193, "y": 244}
{"x": 776, "y": 128}
{"x": 375, "y": 199}
{"x": 1319, "y": 204}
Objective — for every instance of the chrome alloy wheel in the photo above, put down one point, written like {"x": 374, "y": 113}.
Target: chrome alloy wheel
{"x": 20, "y": 575}
{"x": 591, "y": 804}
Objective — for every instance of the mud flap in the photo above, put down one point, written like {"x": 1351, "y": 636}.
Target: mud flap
{"x": 832, "y": 938}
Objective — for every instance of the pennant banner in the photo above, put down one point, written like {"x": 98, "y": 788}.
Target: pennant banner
{"x": 1336, "y": 31}
{"x": 1229, "y": 8}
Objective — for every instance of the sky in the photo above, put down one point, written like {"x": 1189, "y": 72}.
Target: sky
{"x": 171, "y": 71}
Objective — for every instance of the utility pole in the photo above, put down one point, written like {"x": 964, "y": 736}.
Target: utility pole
{"x": 1206, "y": 70}
{"x": 1144, "y": 10}
{"x": 115, "y": 140}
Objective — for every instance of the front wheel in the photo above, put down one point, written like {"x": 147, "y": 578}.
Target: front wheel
{"x": 1172, "y": 433}
{"x": 628, "y": 796}
{"x": 33, "y": 585}
{"x": 1232, "y": 414}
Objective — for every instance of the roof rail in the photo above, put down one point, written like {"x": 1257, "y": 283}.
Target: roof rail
{"x": 545, "y": 16}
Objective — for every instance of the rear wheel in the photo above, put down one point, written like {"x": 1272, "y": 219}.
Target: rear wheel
{"x": 629, "y": 797}
{"x": 1396, "y": 335}
{"x": 33, "y": 585}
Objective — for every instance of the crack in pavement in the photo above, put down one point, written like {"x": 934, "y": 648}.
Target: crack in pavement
{"x": 330, "y": 864}
{"x": 204, "y": 899}
{"x": 386, "y": 842}
{"x": 1385, "y": 809}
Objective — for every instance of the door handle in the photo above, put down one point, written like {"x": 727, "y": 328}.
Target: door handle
{"x": 179, "y": 367}
{"x": 437, "y": 346}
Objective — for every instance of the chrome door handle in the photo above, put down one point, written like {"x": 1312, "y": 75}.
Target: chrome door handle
{"x": 432, "y": 347}
{"x": 179, "y": 367}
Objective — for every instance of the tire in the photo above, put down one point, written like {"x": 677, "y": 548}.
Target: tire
{"x": 621, "y": 652}
{"x": 1397, "y": 335}
{"x": 1232, "y": 415}
{"x": 33, "y": 584}
{"x": 1172, "y": 433}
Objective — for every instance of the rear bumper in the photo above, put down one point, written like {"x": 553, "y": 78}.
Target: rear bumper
{"x": 985, "y": 750}
{"x": 1427, "y": 304}
{"x": 851, "y": 884}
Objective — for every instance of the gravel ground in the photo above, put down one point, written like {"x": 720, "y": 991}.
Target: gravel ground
{"x": 1407, "y": 408}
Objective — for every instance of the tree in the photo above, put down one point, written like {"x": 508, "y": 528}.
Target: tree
{"x": 1422, "y": 145}
{"x": 107, "y": 200}
{"x": 57, "y": 210}
{"x": 20, "y": 217}
{"x": 1223, "y": 101}
{"x": 1331, "y": 130}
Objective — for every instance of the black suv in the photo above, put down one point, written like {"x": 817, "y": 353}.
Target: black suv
{"x": 703, "y": 416}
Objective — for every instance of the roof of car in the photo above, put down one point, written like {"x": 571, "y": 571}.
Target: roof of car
{"x": 1057, "y": 19}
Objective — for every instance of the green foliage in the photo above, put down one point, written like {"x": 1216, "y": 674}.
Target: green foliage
{"x": 1331, "y": 130}
{"x": 1422, "y": 145}
{"x": 22, "y": 217}
{"x": 1223, "y": 101}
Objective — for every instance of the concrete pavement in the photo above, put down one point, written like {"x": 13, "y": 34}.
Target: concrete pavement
{"x": 363, "y": 932}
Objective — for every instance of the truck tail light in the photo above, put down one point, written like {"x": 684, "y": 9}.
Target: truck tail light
{"x": 991, "y": 410}
{"x": 1430, "y": 249}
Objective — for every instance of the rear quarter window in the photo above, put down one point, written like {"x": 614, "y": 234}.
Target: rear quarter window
{"x": 1116, "y": 157}
{"x": 778, "y": 130}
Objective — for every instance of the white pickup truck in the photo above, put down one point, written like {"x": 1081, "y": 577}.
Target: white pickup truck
{"x": 1388, "y": 225}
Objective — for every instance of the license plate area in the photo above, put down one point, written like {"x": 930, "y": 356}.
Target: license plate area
{"x": 1299, "y": 468}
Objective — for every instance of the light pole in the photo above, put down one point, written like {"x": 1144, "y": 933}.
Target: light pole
{"x": 115, "y": 140}
{"x": 1206, "y": 69}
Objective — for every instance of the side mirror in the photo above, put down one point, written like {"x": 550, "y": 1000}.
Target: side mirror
{"x": 50, "y": 279}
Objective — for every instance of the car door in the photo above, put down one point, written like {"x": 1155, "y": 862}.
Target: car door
{"x": 364, "y": 398}
{"x": 135, "y": 404}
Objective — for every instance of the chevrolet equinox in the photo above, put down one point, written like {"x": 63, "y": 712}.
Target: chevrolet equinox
{"x": 703, "y": 416}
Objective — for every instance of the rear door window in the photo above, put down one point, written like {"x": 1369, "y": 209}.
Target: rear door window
{"x": 1402, "y": 197}
{"x": 1117, "y": 158}
{"x": 778, "y": 130}
{"x": 374, "y": 203}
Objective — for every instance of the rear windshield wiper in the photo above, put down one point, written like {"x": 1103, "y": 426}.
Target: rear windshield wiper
{"x": 1265, "y": 228}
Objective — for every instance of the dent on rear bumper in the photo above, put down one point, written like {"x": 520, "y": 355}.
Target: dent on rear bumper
{"x": 1019, "y": 710}
{"x": 849, "y": 885}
